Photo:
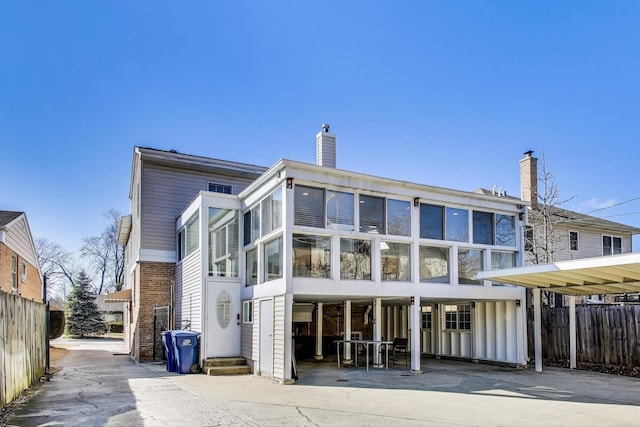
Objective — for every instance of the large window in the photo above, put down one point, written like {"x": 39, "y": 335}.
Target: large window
{"x": 273, "y": 259}
{"x": 457, "y": 225}
{"x": 188, "y": 237}
{"x": 340, "y": 214}
{"x": 394, "y": 261}
{"x": 371, "y": 214}
{"x": 457, "y": 317}
{"x": 469, "y": 265}
{"x": 272, "y": 212}
{"x": 505, "y": 230}
{"x": 311, "y": 256}
{"x": 434, "y": 264}
{"x": 355, "y": 259}
{"x": 251, "y": 267}
{"x": 500, "y": 260}
{"x": 223, "y": 242}
{"x": 431, "y": 221}
{"x": 483, "y": 227}
{"x": 398, "y": 217}
{"x": 611, "y": 245}
{"x": 309, "y": 206}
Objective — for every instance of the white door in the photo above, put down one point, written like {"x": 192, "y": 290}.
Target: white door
{"x": 223, "y": 320}
{"x": 266, "y": 337}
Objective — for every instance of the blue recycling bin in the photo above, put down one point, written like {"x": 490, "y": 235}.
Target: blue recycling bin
{"x": 169, "y": 351}
{"x": 185, "y": 345}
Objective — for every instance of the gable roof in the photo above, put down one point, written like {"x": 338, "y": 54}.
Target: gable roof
{"x": 570, "y": 218}
{"x": 7, "y": 216}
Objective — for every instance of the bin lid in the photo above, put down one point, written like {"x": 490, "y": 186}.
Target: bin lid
{"x": 185, "y": 333}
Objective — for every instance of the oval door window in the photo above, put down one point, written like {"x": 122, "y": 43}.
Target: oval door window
{"x": 223, "y": 307}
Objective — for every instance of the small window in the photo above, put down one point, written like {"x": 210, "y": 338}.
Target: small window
{"x": 219, "y": 188}
{"x": 189, "y": 237}
{"x": 273, "y": 259}
{"x": 426, "y": 317}
{"x": 611, "y": 245}
{"x": 573, "y": 240}
{"x": 528, "y": 238}
{"x": 14, "y": 272}
{"x": 247, "y": 312}
{"x": 251, "y": 267}
{"x": 457, "y": 317}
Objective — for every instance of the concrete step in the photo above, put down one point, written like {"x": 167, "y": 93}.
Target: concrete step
{"x": 228, "y": 370}
{"x": 223, "y": 361}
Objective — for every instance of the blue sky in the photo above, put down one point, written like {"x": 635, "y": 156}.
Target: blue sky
{"x": 447, "y": 93}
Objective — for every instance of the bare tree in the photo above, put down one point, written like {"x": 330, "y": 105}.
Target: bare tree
{"x": 105, "y": 256}
{"x": 544, "y": 237}
{"x": 58, "y": 265}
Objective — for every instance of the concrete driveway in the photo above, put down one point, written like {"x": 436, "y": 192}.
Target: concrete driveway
{"x": 97, "y": 386}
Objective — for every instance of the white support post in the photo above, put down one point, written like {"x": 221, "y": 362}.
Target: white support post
{"x": 537, "y": 329}
{"x": 572, "y": 332}
{"x": 416, "y": 321}
{"x": 319, "y": 319}
{"x": 347, "y": 332}
{"x": 377, "y": 327}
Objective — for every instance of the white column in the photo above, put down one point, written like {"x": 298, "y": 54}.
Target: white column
{"x": 416, "y": 321}
{"x": 347, "y": 332}
{"x": 396, "y": 323}
{"x": 572, "y": 332}
{"x": 377, "y": 327}
{"x": 390, "y": 321}
{"x": 537, "y": 329}
{"x": 319, "y": 319}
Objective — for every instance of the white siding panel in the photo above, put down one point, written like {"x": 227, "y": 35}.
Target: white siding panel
{"x": 190, "y": 293}
{"x": 278, "y": 336}
{"x": 19, "y": 240}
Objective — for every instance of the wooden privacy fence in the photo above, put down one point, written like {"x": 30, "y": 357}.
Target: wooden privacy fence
{"x": 22, "y": 345}
{"x": 605, "y": 334}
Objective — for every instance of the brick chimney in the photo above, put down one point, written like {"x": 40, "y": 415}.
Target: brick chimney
{"x": 529, "y": 178}
{"x": 326, "y": 147}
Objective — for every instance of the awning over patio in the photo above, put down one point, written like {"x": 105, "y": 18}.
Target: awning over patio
{"x": 120, "y": 296}
{"x": 602, "y": 275}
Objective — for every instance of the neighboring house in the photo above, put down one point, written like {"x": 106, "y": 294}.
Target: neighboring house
{"x": 19, "y": 270}
{"x": 575, "y": 235}
{"x": 110, "y": 311}
{"x": 259, "y": 256}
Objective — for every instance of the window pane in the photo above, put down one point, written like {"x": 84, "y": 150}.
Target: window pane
{"x": 355, "y": 259}
{"x": 398, "y": 217}
{"x": 431, "y": 220}
{"x": 457, "y": 225}
{"x": 266, "y": 216}
{"x": 252, "y": 267}
{"x": 606, "y": 245}
{"x": 247, "y": 228}
{"x": 434, "y": 264}
{"x": 192, "y": 234}
{"x": 255, "y": 223}
{"x": 505, "y": 230}
{"x": 483, "y": 228}
{"x": 308, "y": 206}
{"x": 311, "y": 256}
{"x": 501, "y": 260}
{"x": 394, "y": 260}
{"x": 469, "y": 264}
{"x": 340, "y": 214}
{"x": 573, "y": 240}
{"x": 223, "y": 242}
{"x": 451, "y": 317}
{"x": 273, "y": 259}
{"x": 617, "y": 245}
{"x": 464, "y": 317}
{"x": 276, "y": 209}
{"x": 371, "y": 214}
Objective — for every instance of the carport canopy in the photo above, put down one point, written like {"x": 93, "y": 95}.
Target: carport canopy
{"x": 613, "y": 274}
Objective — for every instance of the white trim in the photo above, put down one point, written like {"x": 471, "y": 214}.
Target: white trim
{"x": 156, "y": 255}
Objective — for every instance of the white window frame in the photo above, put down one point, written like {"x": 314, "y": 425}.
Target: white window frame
{"x": 247, "y": 312}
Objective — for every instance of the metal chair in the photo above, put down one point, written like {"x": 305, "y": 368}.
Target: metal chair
{"x": 400, "y": 348}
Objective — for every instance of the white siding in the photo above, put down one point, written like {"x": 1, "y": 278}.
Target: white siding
{"x": 589, "y": 243}
{"x": 249, "y": 337}
{"x": 279, "y": 306}
{"x": 497, "y": 331}
{"x": 189, "y": 293}
{"x": 19, "y": 240}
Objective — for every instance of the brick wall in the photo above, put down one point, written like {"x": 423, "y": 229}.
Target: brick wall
{"x": 31, "y": 289}
{"x": 155, "y": 290}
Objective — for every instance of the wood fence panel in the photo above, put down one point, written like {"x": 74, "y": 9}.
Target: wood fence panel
{"x": 22, "y": 345}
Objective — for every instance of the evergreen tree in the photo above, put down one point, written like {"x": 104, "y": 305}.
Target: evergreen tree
{"x": 83, "y": 317}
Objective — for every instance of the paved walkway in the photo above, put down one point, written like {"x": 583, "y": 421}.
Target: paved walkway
{"x": 99, "y": 387}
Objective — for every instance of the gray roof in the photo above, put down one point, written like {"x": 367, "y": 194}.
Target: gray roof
{"x": 7, "y": 216}
{"x": 570, "y": 218}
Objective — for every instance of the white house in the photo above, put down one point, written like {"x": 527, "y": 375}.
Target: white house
{"x": 308, "y": 253}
